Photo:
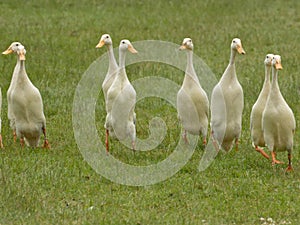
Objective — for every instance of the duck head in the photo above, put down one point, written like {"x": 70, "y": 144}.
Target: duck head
{"x": 236, "y": 44}
{"x": 18, "y": 48}
{"x": 276, "y": 62}
{"x": 268, "y": 59}
{"x": 104, "y": 40}
{"x": 187, "y": 44}
{"x": 126, "y": 45}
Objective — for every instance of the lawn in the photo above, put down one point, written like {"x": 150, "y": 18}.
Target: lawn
{"x": 58, "y": 186}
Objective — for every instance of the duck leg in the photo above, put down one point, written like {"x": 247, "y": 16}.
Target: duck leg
{"x": 106, "y": 141}
{"x": 215, "y": 144}
{"x": 204, "y": 141}
{"x": 274, "y": 160}
{"x": 184, "y": 136}
{"x": 46, "y": 142}
{"x": 236, "y": 144}
{"x": 289, "y": 168}
{"x": 1, "y": 143}
{"x": 22, "y": 142}
{"x": 261, "y": 151}
{"x": 15, "y": 136}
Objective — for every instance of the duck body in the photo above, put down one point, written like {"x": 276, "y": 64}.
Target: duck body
{"x": 121, "y": 99}
{"x": 227, "y": 103}
{"x": 27, "y": 107}
{"x": 192, "y": 101}
{"x": 26, "y": 103}
{"x": 278, "y": 121}
{"x": 257, "y": 135}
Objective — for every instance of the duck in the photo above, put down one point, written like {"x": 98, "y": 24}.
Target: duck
{"x": 12, "y": 84}
{"x": 227, "y": 103}
{"x": 26, "y": 103}
{"x": 257, "y": 135}
{"x": 1, "y": 142}
{"x": 192, "y": 101}
{"x": 106, "y": 40}
{"x": 121, "y": 99}
{"x": 278, "y": 121}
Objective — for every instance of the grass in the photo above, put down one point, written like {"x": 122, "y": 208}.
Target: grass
{"x": 57, "y": 186}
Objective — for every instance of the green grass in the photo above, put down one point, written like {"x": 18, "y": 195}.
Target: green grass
{"x": 57, "y": 186}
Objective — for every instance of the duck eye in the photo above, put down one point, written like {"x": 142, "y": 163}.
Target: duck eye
{"x": 123, "y": 42}
{"x": 233, "y": 41}
{"x": 107, "y": 36}
{"x": 17, "y": 45}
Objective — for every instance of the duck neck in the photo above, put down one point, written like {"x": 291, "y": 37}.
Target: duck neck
{"x": 190, "y": 67}
{"x": 122, "y": 55}
{"x": 232, "y": 57}
{"x": 22, "y": 72}
{"x": 112, "y": 60}
{"x": 267, "y": 74}
{"x": 274, "y": 79}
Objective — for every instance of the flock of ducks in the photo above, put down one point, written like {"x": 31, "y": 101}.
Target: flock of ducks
{"x": 272, "y": 121}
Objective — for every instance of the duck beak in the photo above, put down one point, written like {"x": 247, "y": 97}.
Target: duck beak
{"x": 132, "y": 49}
{"x": 182, "y": 47}
{"x": 7, "y": 51}
{"x": 100, "y": 44}
{"x": 278, "y": 65}
{"x": 240, "y": 49}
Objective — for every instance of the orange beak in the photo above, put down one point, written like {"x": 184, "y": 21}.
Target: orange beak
{"x": 100, "y": 44}
{"x": 240, "y": 49}
{"x": 182, "y": 47}
{"x": 132, "y": 49}
{"x": 278, "y": 65}
{"x": 7, "y": 51}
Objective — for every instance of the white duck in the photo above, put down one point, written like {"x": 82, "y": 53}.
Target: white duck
{"x": 112, "y": 66}
{"x": 227, "y": 103}
{"x": 121, "y": 99}
{"x": 26, "y": 102}
{"x": 1, "y": 142}
{"x": 257, "y": 135}
{"x": 278, "y": 120}
{"x": 192, "y": 101}
{"x": 12, "y": 85}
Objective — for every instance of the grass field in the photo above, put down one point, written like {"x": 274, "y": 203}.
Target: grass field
{"x": 58, "y": 186}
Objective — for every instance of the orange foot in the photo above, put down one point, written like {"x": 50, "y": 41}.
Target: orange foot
{"x": 46, "y": 144}
{"x": 289, "y": 168}
{"x": 274, "y": 160}
{"x": 261, "y": 151}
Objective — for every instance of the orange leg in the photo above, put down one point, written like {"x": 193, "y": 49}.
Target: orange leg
{"x": 289, "y": 168}
{"x": 15, "y": 136}
{"x": 1, "y": 143}
{"x": 22, "y": 142}
{"x": 46, "y": 142}
{"x": 274, "y": 160}
{"x": 106, "y": 141}
{"x": 185, "y": 137}
{"x": 133, "y": 145}
{"x": 204, "y": 141}
{"x": 215, "y": 144}
{"x": 261, "y": 151}
{"x": 236, "y": 144}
